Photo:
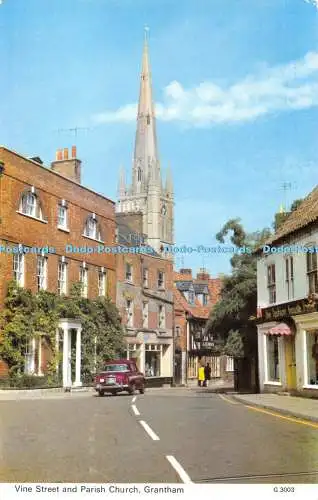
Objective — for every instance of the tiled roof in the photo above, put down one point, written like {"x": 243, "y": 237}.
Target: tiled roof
{"x": 185, "y": 286}
{"x": 305, "y": 214}
{"x": 182, "y": 277}
{"x": 197, "y": 310}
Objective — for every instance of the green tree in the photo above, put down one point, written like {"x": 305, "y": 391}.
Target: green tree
{"x": 238, "y": 301}
{"x": 296, "y": 204}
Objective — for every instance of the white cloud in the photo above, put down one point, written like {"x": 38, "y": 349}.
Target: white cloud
{"x": 314, "y": 2}
{"x": 291, "y": 86}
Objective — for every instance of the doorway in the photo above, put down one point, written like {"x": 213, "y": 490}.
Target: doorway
{"x": 290, "y": 354}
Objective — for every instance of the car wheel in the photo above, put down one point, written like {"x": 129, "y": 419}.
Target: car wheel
{"x": 142, "y": 389}
{"x": 101, "y": 393}
{"x": 132, "y": 389}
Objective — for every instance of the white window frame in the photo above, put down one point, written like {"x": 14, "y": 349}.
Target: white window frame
{"x": 130, "y": 312}
{"x": 145, "y": 277}
{"x": 91, "y": 230}
{"x": 289, "y": 276}
{"x": 161, "y": 316}
{"x": 312, "y": 272}
{"x": 267, "y": 381}
{"x": 145, "y": 314}
{"x": 102, "y": 276}
{"x": 18, "y": 268}
{"x": 83, "y": 277}
{"x": 62, "y": 221}
{"x": 129, "y": 272}
{"x": 41, "y": 272}
{"x": 29, "y": 204}
{"x": 306, "y": 382}
{"x": 62, "y": 278}
{"x": 161, "y": 280}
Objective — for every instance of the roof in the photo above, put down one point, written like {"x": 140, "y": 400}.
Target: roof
{"x": 196, "y": 310}
{"x": 305, "y": 214}
{"x": 201, "y": 288}
{"x": 53, "y": 172}
{"x": 185, "y": 286}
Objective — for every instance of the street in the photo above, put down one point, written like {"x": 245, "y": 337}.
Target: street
{"x": 164, "y": 436}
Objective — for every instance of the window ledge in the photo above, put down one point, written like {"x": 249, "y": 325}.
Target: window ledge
{"x": 32, "y": 217}
{"x": 64, "y": 229}
{"x": 273, "y": 383}
{"x": 309, "y": 386}
{"x": 92, "y": 239}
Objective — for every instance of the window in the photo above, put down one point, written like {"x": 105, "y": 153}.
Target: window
{"x": 62, "y": 217}
{"x": 128, "y": 272}
{"x": 84, "y": 281}
{"x": 161, "y": 279}
{"x": 145, "y": 314}
{"x": 161, "y": 317}
{"x": 145, "y": 277}
{"x": 312, "y": 358}
{"x": 42, "y": 273}
{"x": 152, "y": 360}
{"x": 18, "y": 268}
{"x": 312, "y": 272}
{"x": 101, "y": 283}
{"x": 229, "y": 364}
{"x": 273, "y": 368}
{"x": 204, "y": 299}
{"x": 139, "y": 174}
{"x": 191, "y": 297}
{"x": 271, "y": 283}
{"x": 130, "y": 312}
{"x": 30, "y": 205}
{"x": 62, "y": 279}
{"x": 177, "y": 331}
{"x": 91, "y": 229}
{"x": 289, "y": 276}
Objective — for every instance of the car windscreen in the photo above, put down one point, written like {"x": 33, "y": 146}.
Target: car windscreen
{"x": 116, "y": 368}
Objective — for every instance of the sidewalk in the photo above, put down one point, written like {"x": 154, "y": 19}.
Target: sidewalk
{"x": 214, "y": 386}
{"x": 303, "y": 408}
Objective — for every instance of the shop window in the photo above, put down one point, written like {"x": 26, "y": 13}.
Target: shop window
{"x": 312, "y": 358}
{"x": 273, "y": 368}
{"x": 152, "y": 360}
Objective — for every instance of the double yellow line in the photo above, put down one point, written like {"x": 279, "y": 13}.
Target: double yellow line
{"x": 295, "y": 420}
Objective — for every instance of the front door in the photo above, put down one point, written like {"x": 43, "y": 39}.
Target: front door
{"x": 290, "y": 353}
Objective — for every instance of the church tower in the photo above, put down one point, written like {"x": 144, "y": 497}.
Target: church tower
{"x": 148, "y": 195}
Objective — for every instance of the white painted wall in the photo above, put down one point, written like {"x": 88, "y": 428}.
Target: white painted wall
{"x": 300, "y": 276}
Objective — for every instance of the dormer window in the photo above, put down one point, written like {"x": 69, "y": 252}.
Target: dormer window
{"x": 30, "y": 205}
{"x": 191, "y": 297}
{"x": 204, "y": 299}
{"x": 91, "y": 228}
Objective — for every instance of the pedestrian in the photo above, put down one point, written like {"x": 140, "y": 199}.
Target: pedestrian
{"x": 207, "y": 375}
{"x": 200, "y": 376}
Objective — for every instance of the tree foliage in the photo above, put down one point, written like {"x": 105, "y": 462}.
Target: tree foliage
{"x": 26, "y": 316}
{"x": 238, "y": 301}
{"x": 296, "y": 204}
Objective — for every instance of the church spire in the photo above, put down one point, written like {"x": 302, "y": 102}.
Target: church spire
{"x": 169, "y": 182}
{"x": 146, "y": 153}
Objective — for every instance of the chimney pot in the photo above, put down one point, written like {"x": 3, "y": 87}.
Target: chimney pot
{"x": 73, "y": 151}
{"x": 65, "y": 153}
{"x": 59, "y": 155}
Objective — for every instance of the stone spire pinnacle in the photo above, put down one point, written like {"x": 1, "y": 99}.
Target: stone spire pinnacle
{"x": 169, "y": 182}
{"x": 146, "y": 152}
{"x": 121, "y": 182}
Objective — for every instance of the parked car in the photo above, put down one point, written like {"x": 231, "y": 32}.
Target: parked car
{"x": 120, "y": 375}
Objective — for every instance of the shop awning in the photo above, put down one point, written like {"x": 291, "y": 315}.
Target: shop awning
{"x": 281, "y": 329}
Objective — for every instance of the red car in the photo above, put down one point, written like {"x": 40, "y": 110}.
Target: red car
{"x": 120, "y": 375}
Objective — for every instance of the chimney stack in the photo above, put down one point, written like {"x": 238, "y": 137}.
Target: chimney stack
{"x": 67, "y": 166}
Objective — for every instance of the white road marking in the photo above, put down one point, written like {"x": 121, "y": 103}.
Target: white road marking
{"x": 135, "y": 410}
{"x": 228, "y": 400}
{"x": 134, "y": 399}
{"x": 149, "y": 431}
{"x": 179, "y": 469}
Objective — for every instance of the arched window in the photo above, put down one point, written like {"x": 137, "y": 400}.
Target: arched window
{"x": 139, "y": 174}
{"x": 30, "y": 205}
{"x": 92, "y": 229}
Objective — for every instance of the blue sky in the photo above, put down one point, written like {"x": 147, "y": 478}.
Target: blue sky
{"x": 236, "y": 88}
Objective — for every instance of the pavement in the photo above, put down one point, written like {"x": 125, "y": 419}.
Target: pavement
{"x": 175, "y": 435}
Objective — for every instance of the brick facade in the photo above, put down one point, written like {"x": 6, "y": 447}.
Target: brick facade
{"x": 22, "y": 175}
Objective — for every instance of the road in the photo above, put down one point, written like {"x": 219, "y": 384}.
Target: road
{"x": 164, "y": 436}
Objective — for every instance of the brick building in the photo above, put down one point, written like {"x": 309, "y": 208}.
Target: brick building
{"x": 194, "y": 297}
{"x": 44, "y": 207}
{"x": 145, "y": 300}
